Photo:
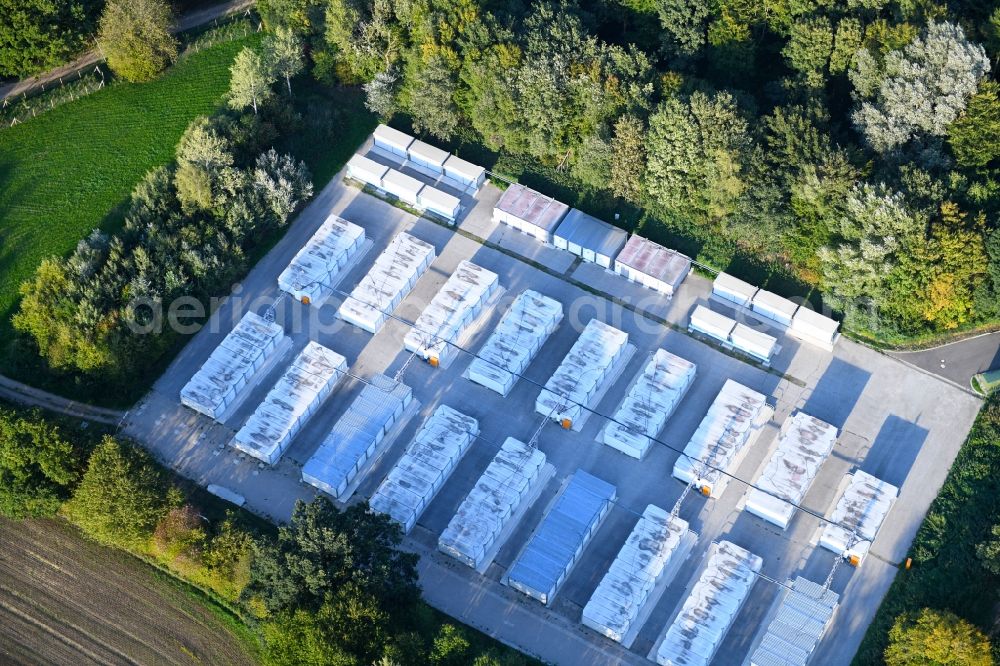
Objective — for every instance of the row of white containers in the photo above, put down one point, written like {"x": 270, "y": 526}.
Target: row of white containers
{"x": 509, "y": 479}
{"x": 456, "y": 305}
{"x": 862, "y": 508}
{"x": 390, "y": 279}
{"x": 356, "y": 436}
{"x": 513, "y": 344}
{"x": 643, "y": 562}
{"x": 316, "y": 267}
{"x": 219, "y": 381}
{"x": 696, "y": 633}
{"x": 803, "y": 444}
{"x": 653, "y": 398}
{"x": 736, "y": 416}
{"x": 425, "y": 466}
{"x": 800, "y": 321}
{"x": 728, "y": 331}
{"x": 582, "y": 373}
{"x": 426, "y": 156}
{"x": 290, "y": 403}
{"x": 405, "y": 188}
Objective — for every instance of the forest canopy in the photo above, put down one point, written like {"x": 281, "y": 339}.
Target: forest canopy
{"x": 853, "y": 143}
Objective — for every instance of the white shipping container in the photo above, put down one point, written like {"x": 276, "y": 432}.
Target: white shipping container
{"x": 699, "y": 628}
{"x": 582, "y": 372}
{"x": 858, "y": 515}
{"x": 803, "y": 445}
{"x": 484, "y": 513}
{"x": 392, "y": 140}
{"x": 465, "y": 173}
{"x": 403, "y": 187}
{"x": 427, "y": 156}
{"x": 755, "y": 343}
{"x": 316, "y": 267}
{"x": 711, "y": 323}
{"x": 521, "y": 332}
{"x": 366, "y": 170}
{"x": 735, "y": 416}
{"x": 307, "y": 382}
{"x": 642, "y": 561}
{"x": 733, "y": 289}
{"x": 356, "y": 435}
{"x": 649, "y": 404}
{"x": 774, "y": 307}
{"x": 244, "y": 350}
{"x": 425, "y": 466}
{"x": 438, "y": 202}
{"x": 814, "y": 327}
{"x": 456, "y": 305}
{"x": 390, "y": 279}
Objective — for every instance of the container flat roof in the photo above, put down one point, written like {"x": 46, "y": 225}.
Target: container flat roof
{"x": 427, "y": 152}
{"x": 468, "y": 170}
{"x": 402, "y": 181}
{"x": 591, "y": 233}
{"x": 807, "y": 317}
{"x": 727, "y": 282}
{"x": 801, "y": 620}
{"x": 771, "y": 301}
{"x": 585, "y": 366}
{"x": 532, "y": 207}
{"x": 862, "y": 508}
{"x": 653, "y": 259}
{"x": 393, "y": 136}
{"x": 363, "y": 163}
{"x": 322, "y": 254}
{"x": 441, "y": 200}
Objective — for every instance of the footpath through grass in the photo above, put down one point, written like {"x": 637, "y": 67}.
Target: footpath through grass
{"x": 946, "y": 573}
{"x": 69, "y": 170}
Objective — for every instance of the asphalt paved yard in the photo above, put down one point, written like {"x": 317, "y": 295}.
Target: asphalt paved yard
{"x": 896, "y": 422}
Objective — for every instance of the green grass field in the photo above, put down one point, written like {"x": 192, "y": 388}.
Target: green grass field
{"x": 69, "y": 170}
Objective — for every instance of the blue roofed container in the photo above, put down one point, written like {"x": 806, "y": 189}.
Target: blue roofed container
{"x": 589, "y": 238}
{"x": 356, "y": 436}
{"x": 560, "y": 539}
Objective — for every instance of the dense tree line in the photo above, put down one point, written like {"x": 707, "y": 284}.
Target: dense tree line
{"x": 854, "y": 142}
{"x": 36, "y": 35}
{"x": 187, "y": 230}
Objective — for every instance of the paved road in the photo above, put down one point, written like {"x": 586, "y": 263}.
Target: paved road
{"x": 32, "y": 397}
{"x": 958, "y": 361}
{"x": 91, "y": 58}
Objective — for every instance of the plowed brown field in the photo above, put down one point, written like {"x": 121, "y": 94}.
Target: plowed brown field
{"x": 65, "y": 600}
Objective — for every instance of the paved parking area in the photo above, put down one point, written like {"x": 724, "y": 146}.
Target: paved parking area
{"x": 896, "y": 422}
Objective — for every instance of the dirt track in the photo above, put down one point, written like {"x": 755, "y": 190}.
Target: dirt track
{"x": 64, "y": 600}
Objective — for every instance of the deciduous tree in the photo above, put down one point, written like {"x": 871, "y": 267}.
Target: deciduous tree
{"x": 938, "y": 638}
{"x": 135, "y": 37}
{"x": 252, "y": 78}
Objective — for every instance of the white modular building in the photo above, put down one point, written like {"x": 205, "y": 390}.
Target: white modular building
{"x": 858, "y": 516}
{"x": 646, "y": 559}
{"x": 366, "y": 170}
{"x": 317, "y": 266}
{"x": 530, "y": 212}
{"x": 583, "y": 373}
{"x": 295, "y": 397}
{"x": 425, "y": 466}
{"x": 803, "y": 445}
{"x": 733, "y": 289}
{"x": 465, "y": 173}
{"x": 589, "y": 238}
{"x": 694, "y": 637}
{"x": 440, "y": 203}
{"x": 392, "y": 140}
{"x": 356, "y": 436}
{"x": 801, "y": 617}
{"x": 403, "y": 187}
{"x": 734, "y": 419}
{"x": 390, "y": 279}
{"x": 813, "y": 327}
{"x": 652, "y": 399}
{"x": 427, "y": 156}
{"x": 508, "y": 481}
{"x": 227, "y": 371}
{"x": 771, "y": 306}
{"x": 711, "y": 323}
{"x": 652, "y": 265}
{"x": 513, "y": 344}
{"x": 560, "y": 539}
{"x": 752, "y": 342}
{"x": 457, "y": 304}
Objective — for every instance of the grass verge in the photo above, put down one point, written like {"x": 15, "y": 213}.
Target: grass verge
{"x": 946, "y": 573}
